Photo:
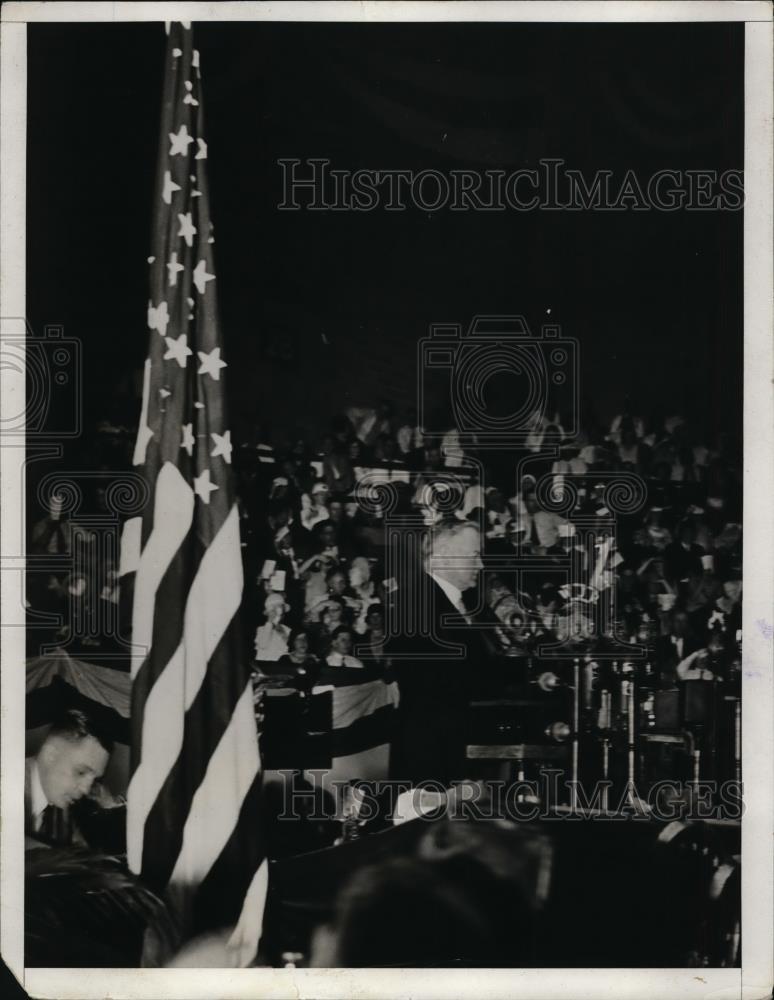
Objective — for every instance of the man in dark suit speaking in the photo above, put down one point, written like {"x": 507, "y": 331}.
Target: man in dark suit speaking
{"x": 72, "y": 757}
{"x": 436, "y": 655}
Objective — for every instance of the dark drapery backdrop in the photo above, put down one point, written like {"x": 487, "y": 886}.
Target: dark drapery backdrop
{"x": 322, "y": 310}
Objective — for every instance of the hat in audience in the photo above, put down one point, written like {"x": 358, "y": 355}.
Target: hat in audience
{"x": 274, "y": 601}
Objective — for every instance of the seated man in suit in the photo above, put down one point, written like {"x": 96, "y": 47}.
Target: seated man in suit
{"x": 706, "y": 663}
{"x": 72, "y": 757}
{"x": 675, "y": 646}
{"x": 435, "y": 659}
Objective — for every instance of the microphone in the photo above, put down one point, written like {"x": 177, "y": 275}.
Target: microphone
{"x": 548, "y": 681}
{"x": 559, "y": 731}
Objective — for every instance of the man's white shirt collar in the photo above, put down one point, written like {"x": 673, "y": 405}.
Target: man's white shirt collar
{"x": 335, "y": 659}
{"x": 453, "y": 593}
{"x": 38, "y": 800}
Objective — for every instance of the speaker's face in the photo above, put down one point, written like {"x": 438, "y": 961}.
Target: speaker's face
{"x": 69, "y": 768}
{"x": 462, "y": 555}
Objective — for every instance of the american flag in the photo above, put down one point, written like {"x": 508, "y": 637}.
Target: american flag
{"x": 192, "y": 824}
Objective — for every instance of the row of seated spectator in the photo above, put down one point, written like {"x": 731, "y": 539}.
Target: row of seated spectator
{"x": 315, "y": 556}
{"x": 314, "y": 546}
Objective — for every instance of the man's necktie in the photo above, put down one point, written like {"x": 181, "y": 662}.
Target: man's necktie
{"x": 54, "y": 827}
{"x": 464, "y": 611}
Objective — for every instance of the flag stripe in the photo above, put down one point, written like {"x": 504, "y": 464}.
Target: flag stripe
{"x": 356, "y": 702}
{"x": 168, "y": 628}
{"x": 232, "y": 768}
{"x": 213, "y": 600}
{"x": 131, "y": 535}
{"x": 172, "y": 518}
{"x": 205, "y": 723}
{"x": 238, "y": 865}
{"x": 376, "y": 729}
{"x": 161, "y": 739}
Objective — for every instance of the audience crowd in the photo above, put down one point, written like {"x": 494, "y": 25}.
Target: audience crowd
{"x": 314, "y": 539}
{"x": 313, "y": 542}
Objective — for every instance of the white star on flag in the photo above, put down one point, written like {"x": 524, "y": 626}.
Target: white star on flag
{"x": 187, "y": 228}
{"x": 173, "y": 267}
{"x": 164, "y": 393}
{"x": 223, "y": 446}
{"x": 203, "y": 487}
{"x": 177, "y": 52}
{"x": 178, "y": 349}
{"x": 189, "y": 98}
{"x": 202, "y": 154}
{"x": 180, "y": 140}
{"x": 201, "y": 276}
{"x": 158, "y": 317}
{"x": 211, "y": 363}
{"x": 188, "y": 439}
{"x": 195, "y": 59}
{"x": 169, "y": 188}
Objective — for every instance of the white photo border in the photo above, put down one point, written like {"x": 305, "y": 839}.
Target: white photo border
{"x": 754, "y": 979}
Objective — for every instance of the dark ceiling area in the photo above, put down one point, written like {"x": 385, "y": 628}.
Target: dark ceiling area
{"x": 322, "y": 310}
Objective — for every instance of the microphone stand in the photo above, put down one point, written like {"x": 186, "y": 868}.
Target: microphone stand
{"x": 575, "y": 731}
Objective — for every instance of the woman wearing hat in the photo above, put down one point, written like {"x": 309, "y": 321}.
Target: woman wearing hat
{"x": 271, "y": 639}
{"x": 315, "y": 509}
